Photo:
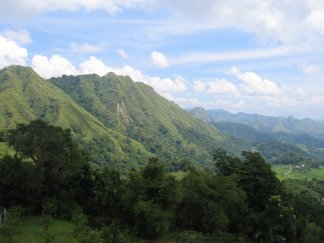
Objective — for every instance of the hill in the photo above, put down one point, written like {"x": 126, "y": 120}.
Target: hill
{"x": 120, "y": 122}
{"x": 25, "y": 96}
{"x": 135, "y": 110}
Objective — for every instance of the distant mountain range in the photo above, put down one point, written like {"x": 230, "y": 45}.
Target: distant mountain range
{"x": 277, "y": 138}
{"x": 264, "y": 123}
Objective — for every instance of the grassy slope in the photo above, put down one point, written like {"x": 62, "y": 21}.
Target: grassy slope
{"x": 160, "y": 125}
{"x": 25, "y": 96}
{"x": 284, "y": 172}
{"x": 30, "y": 231}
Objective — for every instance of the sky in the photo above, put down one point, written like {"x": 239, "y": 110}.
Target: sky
{"x": 253, "y": 56}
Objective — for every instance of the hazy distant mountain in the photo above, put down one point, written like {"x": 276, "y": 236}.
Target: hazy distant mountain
{"x": 264, "y": 123}
{"x": 289, "y": 144}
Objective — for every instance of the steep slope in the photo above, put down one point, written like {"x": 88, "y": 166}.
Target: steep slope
{"x": 25, "y": 96}
{"x": 135, "y": 110}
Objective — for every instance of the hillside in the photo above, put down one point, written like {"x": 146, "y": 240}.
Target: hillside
{"x": 258, "y": 133}
{"x": 25, "y": 96}
{"x": 135, "y": 110}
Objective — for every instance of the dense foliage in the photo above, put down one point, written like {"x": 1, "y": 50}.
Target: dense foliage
{"x": 241, "y": 200}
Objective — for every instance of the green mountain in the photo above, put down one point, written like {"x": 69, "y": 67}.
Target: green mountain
{"x": 24, "y": 96}
{"x": 119, "y": 121}
{"x": 135, "y": 110}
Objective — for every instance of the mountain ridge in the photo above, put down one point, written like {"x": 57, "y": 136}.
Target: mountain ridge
{"x": 120, "y": 122}
{"x": 264, "y": 123}
{"x": 25, "y": 96}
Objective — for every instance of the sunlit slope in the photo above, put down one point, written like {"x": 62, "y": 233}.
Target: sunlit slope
{"x": 136, "y": 110}
{"x": 25, "y": 96}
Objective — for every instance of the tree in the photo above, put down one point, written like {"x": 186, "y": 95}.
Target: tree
{"x": 257, "y": 180}
{"x": 210, "y": 203}
{"x": 52, "y": 151}
{"x": 224, "y": 163}
{"x": 17, "y": 183}
{"x": 151, "y": 198}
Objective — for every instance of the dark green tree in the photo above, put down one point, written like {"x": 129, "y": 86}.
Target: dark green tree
{"x": 51, "y": 150}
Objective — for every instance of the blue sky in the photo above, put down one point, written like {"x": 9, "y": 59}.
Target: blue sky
{"x": 249, "y": 56}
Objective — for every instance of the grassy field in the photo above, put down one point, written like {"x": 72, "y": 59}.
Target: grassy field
{"x": 284, "y": 172}
{"x": 30, "y": 231}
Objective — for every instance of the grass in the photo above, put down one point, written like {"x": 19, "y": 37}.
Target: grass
{"x": 284, "y": 172}
{"x": 30, "y": 231}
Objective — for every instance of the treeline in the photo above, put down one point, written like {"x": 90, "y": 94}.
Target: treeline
{"x": 240, "y": 200}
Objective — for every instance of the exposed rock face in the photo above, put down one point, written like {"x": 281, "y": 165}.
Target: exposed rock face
{"x": 121, "y": 109}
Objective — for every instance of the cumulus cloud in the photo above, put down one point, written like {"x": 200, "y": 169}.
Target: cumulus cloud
{"x": 94, "y": 66}
{"x": 222, "y": 87}
{"x": 20, "y": 36}
{"x": 289, "y": 22}
{"x": 122, "y": 53}
{"x": 86, "y": 47}
{"x": 159, "y": 59}
{"x": 54, "y": 66}
{"x": 161, "y": 85}
{"x": 11, "y": 53}
{"x": 167, "y": 85}
{"x": 254, "y": 84}
{"x": 199, "y": 86}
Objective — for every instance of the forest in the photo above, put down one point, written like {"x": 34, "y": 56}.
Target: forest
{"x": 239, "y": 199}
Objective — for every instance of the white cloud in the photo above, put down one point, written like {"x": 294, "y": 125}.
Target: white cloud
{"x": 309, "y": 69}
{"x": 238, "y": 55}
{"x": 54, "y": 66}
{"x": 11, "y": 53}
{"x": 274, "y": 20}
{"x": 199, "y": 86}
{"x": 86, "y": 47}
{"x": 167, "y": 85}
{"x": 253, "y": 84}
{"x": 122, "y": 53}
{"x": 21, "y": 36}
{"x": 19, "y": 9}
{"x": 222, "y": 87}
{"x": 161, "y": 85}
{"x": 159, "y": 59}
{"x": 94, "y": 66}
{"x": 315, "y": 20}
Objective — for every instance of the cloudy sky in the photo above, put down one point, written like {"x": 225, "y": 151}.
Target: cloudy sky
{"x": 254, "y": 56}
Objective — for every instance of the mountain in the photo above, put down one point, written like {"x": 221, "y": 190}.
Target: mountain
{"x": 24, "y": 96}
{"x": 260, "y": 133}
{"x": 120, "y": 122}
{"x": 135, "y": 110}
{"x": 264, "y": 123}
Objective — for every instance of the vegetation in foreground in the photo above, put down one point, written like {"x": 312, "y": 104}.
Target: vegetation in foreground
{"x": 241, "y": 200}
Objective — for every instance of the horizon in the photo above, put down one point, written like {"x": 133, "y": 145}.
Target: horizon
{"x": 250, "y": 57}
